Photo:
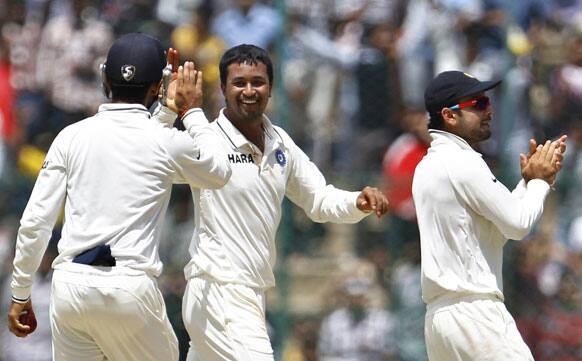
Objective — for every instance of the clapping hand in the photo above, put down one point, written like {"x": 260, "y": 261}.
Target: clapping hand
{"x": 543, "y": 161}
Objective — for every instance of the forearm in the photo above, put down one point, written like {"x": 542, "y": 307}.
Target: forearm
{"x": 36, "y": 224}
{"x": 31, "y": 244}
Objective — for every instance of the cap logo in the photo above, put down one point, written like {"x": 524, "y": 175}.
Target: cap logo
{"x": 469, "y": 75}
{"x": 128, "y": 72}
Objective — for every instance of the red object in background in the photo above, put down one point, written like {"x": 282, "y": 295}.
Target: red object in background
{"x": 7, "y": 95}
{"x": 398, "y": 167}
{"x": 554, "y": 333}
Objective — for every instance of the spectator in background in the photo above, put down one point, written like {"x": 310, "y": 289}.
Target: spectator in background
{"x": 400, "y": 161}
{"x": 557, "y": 335}
{"x": 196, "y": 41}
{"x": 71, "y": 49}
{"x": 409, "y": 308}
{"x": 398, "y": 167}
{"x": 566, "y": 84}
{"x": 435, "y": 23}
{"x": 7, "y": 95}
{"x": 141, "y": 16}
{"x": 248, "y": 22}
{"x": 354, "y": 91}
{"x": 357, "y": 331}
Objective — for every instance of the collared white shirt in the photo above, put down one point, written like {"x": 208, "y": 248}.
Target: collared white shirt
{"x": 114, "y": 172}
{"x": 465, "y": 216}
{"x": 235, "y": 226}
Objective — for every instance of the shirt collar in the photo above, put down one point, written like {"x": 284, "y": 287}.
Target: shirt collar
{"x": 441, "y": 137}
{"x": 124, "y": 107}
{"x": 272, "y": 137}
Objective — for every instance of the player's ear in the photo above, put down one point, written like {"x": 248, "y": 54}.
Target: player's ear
{"x": 449, "y": 116}
{"x": 155, "y": 88}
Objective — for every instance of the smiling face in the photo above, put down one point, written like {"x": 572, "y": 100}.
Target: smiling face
{"x": 246, "y": 92}
{"x": 469, "y": 123}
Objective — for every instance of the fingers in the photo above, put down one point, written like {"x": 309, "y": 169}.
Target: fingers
{"x": 551, "y": 151}
{"x": 17, "y": 313}
{"x": 372, "y": 200}
{"x": 199, "y": 82}
{"x": 522, "y": 160}
{"x": 532, "y": 147}
{"x": 180, "y": 79}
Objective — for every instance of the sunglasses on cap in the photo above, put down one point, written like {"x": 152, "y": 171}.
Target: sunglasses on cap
{"x": 480, "y": 103}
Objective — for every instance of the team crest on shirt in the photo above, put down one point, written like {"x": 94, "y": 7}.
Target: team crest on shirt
{"x": 280, "y": 157}
{"x": 128, "y": 72}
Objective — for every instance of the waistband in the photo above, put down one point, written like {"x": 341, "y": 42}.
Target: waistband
{"x": 448, "y": 300}
{"x": 98, "y": 270}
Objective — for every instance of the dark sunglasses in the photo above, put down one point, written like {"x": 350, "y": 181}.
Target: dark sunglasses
{"x": 480, "y": 103}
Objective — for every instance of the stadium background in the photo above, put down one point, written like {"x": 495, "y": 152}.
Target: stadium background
{"x": 349, "y": 80}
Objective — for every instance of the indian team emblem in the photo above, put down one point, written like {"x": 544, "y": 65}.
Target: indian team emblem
{"x": 280, "y": 156}
{"x": 128, "y": 72}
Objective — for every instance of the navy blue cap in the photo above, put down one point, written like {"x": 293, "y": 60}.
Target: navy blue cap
{"x": 447, "y": 88}
{"x": 135, "y": 59}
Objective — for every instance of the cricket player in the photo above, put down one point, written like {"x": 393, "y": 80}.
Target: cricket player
{"x": 233, "y": 247}
{"x": 465, "y": 216}
{"x": 113, "y": 172}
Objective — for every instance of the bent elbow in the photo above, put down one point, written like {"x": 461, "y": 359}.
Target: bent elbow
{"x": 519, "y": 230}
{"x": 518, "y": 234}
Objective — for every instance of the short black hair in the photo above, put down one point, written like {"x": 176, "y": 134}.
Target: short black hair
{"x": 130, "y": 94}
{"x": 245, "y": 53}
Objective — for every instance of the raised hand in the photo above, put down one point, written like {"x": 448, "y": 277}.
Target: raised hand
{"x": 188, "y": 88}
{"x": 185, "y": 90}
{"x": 372, "y": 200}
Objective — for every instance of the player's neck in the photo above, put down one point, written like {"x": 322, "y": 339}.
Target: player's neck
{"x": 253, "y": 131}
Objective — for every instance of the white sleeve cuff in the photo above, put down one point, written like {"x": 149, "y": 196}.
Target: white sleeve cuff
{"x": 539, "y": 185}
{"x": 353, "y": 205}
{"x": 164, "y": 115}
{"x": 20, "y": 295}
{"x": 193, "y": 118}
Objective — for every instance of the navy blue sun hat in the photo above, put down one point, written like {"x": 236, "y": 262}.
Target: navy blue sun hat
{"x": 447, "y": 88}
{"x": 135, "y": 59}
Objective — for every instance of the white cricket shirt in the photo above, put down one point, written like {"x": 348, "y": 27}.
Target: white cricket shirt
{"x": 235, "y": 226}
{"x": 114, "y": 172}
{"x": 465, "y": 216}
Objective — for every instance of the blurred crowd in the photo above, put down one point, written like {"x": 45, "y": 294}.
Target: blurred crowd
{"x": 349, "y": 84}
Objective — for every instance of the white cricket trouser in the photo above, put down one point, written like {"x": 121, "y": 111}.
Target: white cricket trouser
{"x": 226, "y": 322}
{"x": 472, "y": 328}
{"x": 109, "y": 313}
